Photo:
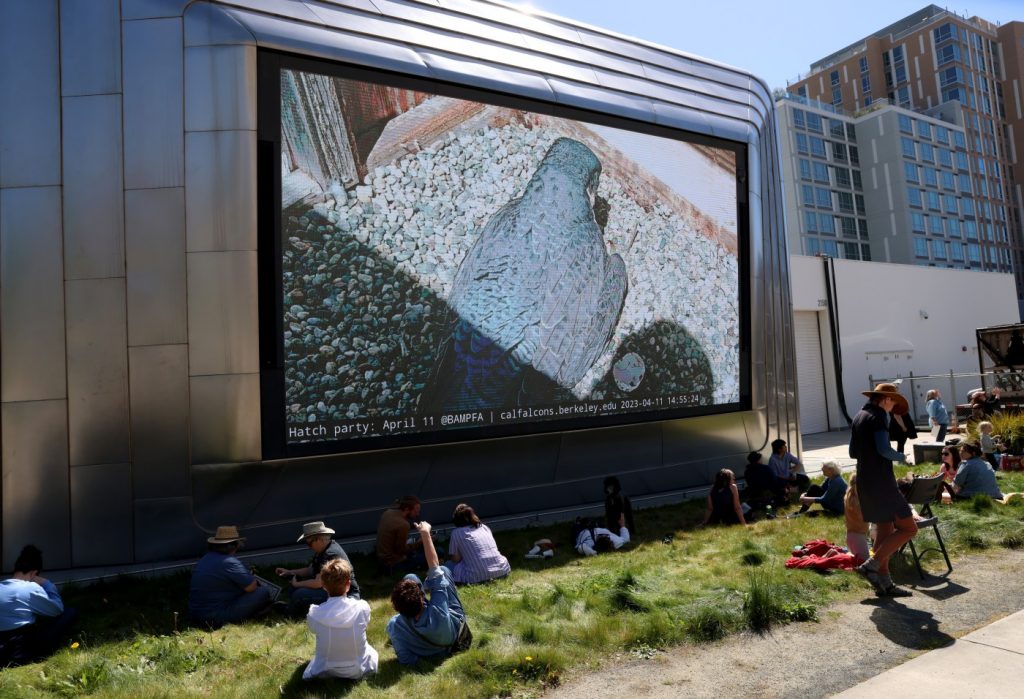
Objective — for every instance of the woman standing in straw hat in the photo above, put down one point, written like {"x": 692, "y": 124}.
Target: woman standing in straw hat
{"x": 880, "y": 500}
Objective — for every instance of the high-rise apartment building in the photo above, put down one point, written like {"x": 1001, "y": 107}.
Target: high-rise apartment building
{"x": 935, "y": 102}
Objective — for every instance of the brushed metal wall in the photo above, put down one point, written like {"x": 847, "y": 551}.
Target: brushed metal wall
{"x": 129, "y": 365}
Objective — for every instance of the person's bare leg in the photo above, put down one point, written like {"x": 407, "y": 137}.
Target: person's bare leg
{"x": 899, "y": 532}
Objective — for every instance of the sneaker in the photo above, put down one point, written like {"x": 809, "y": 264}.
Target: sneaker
{"x": 549, "y": 553}
{"x": 896, "y": 591}
{"x": 533, "y": 553}
{"x": 872, "y": 576}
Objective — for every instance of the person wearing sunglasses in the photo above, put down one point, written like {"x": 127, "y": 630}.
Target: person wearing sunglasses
{"x": 307, "y": 588}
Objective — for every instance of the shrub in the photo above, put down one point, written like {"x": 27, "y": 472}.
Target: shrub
{"x": 981, "y": 503}
{"x": 761, "y": 604}
{"x": 707, "y": 624}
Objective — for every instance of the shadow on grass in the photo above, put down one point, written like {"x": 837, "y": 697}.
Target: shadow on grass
{"x": 910, "y": 628}
{"x": 389, "y": 673}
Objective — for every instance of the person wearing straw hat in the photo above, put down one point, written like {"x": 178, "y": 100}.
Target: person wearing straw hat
{"x": 222, "y": 590}
{"x": 306, "y": 586}
{"x": 880, "y": 499}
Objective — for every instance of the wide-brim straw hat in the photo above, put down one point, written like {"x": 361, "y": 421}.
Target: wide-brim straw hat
{"x": 225, "y": 535}
{"x": 888, "y": 390}
{"x": 313, "y": 528}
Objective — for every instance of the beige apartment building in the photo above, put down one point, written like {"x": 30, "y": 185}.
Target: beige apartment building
{"x": 964, "y": 73}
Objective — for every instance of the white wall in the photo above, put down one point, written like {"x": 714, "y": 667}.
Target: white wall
{"x": 881, "y": 326}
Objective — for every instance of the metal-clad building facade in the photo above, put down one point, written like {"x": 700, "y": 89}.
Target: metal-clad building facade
{"x": 130, "y": 367}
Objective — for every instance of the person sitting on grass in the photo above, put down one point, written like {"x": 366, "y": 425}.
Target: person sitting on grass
{"x": 762, "y": 488}
{"x": 975, "y": 476}
{"x": 305, "y": 582}
{"x": 33, "y": 618}
{"x": 222, "y": 590}
{"x": 425, "y": 626}
{"x": 339, "y": 625}
{"x": 829, "y": 494}
{"x": 590, "y": 540}
{"x": 395, "y": 552}
{"x": 724, "y": 501}
{"x": 950, "y": 465}
{"x": 787, "y": 468}
{"x": 474, "y": 554}
{"x": 857, "y": 541}
{"x": 990, "y": 446}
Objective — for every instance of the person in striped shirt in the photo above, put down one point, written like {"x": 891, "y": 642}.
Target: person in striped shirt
{"x": 472, "y": 551}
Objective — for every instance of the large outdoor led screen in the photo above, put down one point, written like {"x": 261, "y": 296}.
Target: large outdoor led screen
{"x": 456, "y": 268}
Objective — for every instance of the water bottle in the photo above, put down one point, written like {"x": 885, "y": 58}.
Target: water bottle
{"x": 769, "y": 512}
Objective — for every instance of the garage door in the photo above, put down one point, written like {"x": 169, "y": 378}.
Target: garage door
{"x": 809, "y": 373}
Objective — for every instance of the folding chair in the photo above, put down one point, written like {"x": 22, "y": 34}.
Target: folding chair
{"x": 922, "y": 494}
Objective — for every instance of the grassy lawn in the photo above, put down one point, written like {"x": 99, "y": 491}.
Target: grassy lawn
{"x": 549, "y": 617}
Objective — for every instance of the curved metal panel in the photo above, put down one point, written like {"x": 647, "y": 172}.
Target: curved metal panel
{"x": 584, "y": 96}
{"x": 220, "y": 88}
{"x": 222, "y": 314}
{"x": 206, "y": 25}
{"x": 485, "y": 75}
{"x": 220, "y": 192}
{"x": 152, "y": 9}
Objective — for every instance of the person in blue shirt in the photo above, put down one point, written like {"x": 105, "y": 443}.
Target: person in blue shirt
{"x": 222, "y": 590}
{"x": 33, "y": 618}
{"x": 975, "y": 476}
{"x": 430, "y": 613}
{"x": 938, "y": 416}
{"x": 787, "y": 468}
{"x": 829, "y": 494}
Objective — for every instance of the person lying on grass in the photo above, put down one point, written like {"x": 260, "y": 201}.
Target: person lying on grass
{"x": 425, "y": 626}
{"x": 339, "y": 625}
{"x": 724, "y": 501}
{"x": 590, "y": 540}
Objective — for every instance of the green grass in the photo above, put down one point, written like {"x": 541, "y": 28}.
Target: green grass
{"x": 550, "y": 617}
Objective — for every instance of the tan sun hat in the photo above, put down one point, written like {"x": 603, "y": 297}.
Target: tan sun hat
{"x": 888, "y": 390}
{"x": 225, "y": 535}
{"x": 313, "y": 528}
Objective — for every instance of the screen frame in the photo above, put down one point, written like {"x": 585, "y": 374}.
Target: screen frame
{"x": 270, "y": 246}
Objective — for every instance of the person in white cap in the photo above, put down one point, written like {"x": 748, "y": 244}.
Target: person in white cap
{"x": 223, "y": 590}
{"x": 306, "y": 586}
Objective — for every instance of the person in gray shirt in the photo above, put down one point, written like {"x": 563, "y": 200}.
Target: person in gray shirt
{"x": 975, "y": 476}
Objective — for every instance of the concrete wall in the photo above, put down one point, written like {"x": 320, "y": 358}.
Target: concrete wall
{"x": 883, "y": 330}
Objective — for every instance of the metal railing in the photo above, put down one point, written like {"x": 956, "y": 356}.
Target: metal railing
{"x": 954, "y": 389}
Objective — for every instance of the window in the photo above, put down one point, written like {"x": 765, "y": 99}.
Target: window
{"x": 942, "y": 135}
{"x": 932, "y": 198}
{"x": 901, "y": 73}
{"x": 854, "y": 155}
{"x": 845, "y": 202}
{"x": 949, "y": 204}
{"x": 835, "y": 128}
{"x": 953, "y": 228}
{"x": 950, "y": 76}
{"x": 848, "y": 226}
{"x": 927, "y": 153}
{"x": 851, "y": 133}
{"x": 939, "y": 249}
{"x": 917, "y": 222}
{"x": 811, "y": 222}
{"x": 970, "y": 230}
{"x": 830, "y": 248}
{"x": 914, "y": 197}
{"x": 961, "y": 160}
{"x": 826, "y": 224}
{"x": 947, "y": 54}
{"x": 860, "y": 203}
{"x": 834, "y": 77}
{"x": 953, "y": 94}
{"x": 906, "y": 124}
{"x": 907, "y": 145}
{"x": 839, "y": 151}
{"x": 805, "y": 169}
{"x": 934, "y": 225}
{"x": 862, "y": 225}
{"x": 865, "y": 84}
{"x": 851, "y": 251}
{"x": 910, "y": 172}
{"x": 856, "y": 180}
{"x": 863, "y": 64}
{"x": 946, "y": 157}
{"x": 817, "y": 146}
{"x": 798, "y": 118}
{"x": 801, "y": 143}
{"x": 959, "y": 139}
{"x": 813, "y": 122}
{"x": 967, "y": 206}
{"x": 965, "y": 183}
{"x": 948, "y": 180}
{"x": 820, "y": 172}
{"x": 956, "y": 251}
{"x": 931, "y": 176}
{"x": 842, "y": 176}
{"x": 924, "y": 130}
{"x": 920, "y": 247}
{"x": 974, "y": 252}
{"x": 802, "y": 91}
{"x": 813, "y": 246}
{"x": 837, "y": 96}
{"x": 946, "y": 32}
{"x": 865, "y": 253}
{"x": 823, "y": 198}
{"x": 807, "y": 195}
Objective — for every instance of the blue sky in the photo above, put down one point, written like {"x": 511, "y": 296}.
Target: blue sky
{"x": 776, "y": 40}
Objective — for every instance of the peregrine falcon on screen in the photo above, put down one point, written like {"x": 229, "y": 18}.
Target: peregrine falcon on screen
{"x": 537, "y": 297}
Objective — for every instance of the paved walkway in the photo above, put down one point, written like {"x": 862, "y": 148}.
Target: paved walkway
{"x": 835, "y": 446}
